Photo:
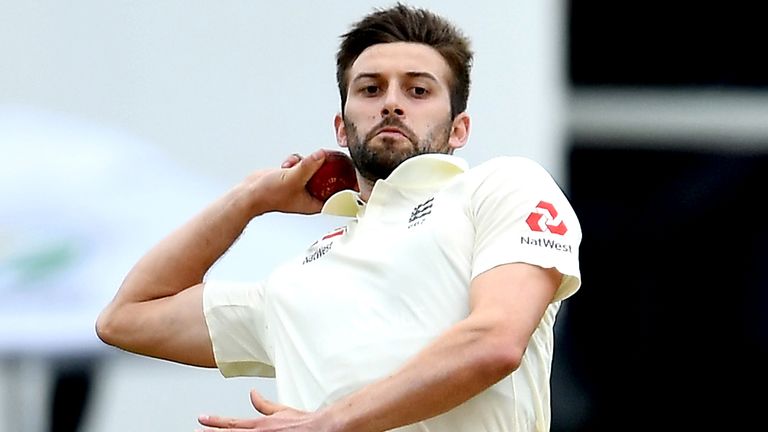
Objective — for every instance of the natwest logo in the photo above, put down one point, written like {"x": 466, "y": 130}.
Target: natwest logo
{"x": 544, "y": 218}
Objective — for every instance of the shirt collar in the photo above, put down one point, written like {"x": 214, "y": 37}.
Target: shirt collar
{"x": 422, "y": 171}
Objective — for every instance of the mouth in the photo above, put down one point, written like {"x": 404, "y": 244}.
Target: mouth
{"x": 391, "y": 132}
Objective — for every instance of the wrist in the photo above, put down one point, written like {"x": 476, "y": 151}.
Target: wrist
{"x": 331, "y": 420}
{"x": 246, "y": 199}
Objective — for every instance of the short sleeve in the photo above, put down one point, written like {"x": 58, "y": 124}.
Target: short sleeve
{"x": 521, "y": 215}
{"x": 234, "y": 313}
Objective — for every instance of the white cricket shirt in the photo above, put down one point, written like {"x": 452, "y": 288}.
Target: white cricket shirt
{"x": 368, "y": 296}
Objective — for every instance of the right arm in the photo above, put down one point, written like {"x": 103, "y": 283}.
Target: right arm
{"x": 158, "y": 309}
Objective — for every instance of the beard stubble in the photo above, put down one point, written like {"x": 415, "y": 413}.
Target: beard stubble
{"x": 377, "y": 162}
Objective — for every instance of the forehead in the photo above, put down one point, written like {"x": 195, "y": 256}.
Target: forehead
{"x": 400, "y": 58}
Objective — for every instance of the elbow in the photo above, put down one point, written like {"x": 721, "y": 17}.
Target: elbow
{"x": 498, "y": 351}
{"x": 106, "y": 327}
{"x": 505, "y": 358}
{"x": 502, "y": 355}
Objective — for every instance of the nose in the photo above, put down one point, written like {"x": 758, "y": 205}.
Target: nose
{"x": 392, "y": 105}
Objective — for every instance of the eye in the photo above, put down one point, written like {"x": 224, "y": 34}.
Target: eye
{"x": 419, "y": 92}
{"x": 370, "y": 90}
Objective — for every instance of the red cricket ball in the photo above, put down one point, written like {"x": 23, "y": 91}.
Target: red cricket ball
{"x": 336, "y": 174}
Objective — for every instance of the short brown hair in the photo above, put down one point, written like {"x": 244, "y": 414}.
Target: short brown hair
{"x": 401, "y": 23}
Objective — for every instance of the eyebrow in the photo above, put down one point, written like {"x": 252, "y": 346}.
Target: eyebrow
{"x": 376, "y": 75}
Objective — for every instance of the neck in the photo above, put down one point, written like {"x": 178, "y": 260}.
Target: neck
{"x": 366, "y": 186}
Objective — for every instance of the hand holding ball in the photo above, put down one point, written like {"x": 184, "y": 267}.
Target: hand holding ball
{"x": 336, "y": 174}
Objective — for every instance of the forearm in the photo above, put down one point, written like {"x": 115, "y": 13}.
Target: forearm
{"x": 182, "y": 258}
{"x": 507, "y": 304}
{"x": 158, "y": 309}
{"x": 461, "y": 363}
{"x": 155, "y": 312}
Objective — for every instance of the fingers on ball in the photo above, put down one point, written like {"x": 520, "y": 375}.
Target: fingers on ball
{"x": 291, "y": 160}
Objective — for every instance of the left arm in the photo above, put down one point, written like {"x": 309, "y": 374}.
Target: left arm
{"x": 506, "y": 305}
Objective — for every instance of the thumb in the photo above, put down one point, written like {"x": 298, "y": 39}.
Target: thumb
{"x": 309, "y": 165}
{"x": 265, "y": 406}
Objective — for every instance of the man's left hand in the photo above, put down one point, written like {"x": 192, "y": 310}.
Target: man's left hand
{"x": 275, "y": 417}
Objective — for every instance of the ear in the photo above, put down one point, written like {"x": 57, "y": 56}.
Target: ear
{"x": 459, "y": 131}
{"x": 341, "y": 130}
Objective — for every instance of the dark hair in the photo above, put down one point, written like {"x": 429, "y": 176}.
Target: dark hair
{"x": 401, "y": 23}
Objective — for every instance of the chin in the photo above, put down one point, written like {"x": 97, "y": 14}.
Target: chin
{"x": 399, "y": 145}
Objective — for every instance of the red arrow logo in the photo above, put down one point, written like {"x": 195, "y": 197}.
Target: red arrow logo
{"x": 544, "y": 218}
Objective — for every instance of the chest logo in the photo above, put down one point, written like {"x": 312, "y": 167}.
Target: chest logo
{"x": 420, "y": 212}
{"x": 322, "y": 246}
